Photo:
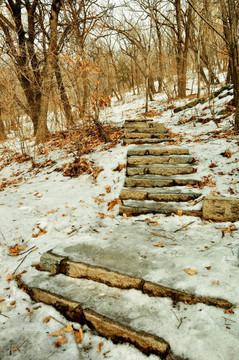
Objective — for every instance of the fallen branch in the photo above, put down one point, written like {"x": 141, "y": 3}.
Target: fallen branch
{"x": 184, "y": 226}
{"x": 23, "y": 260}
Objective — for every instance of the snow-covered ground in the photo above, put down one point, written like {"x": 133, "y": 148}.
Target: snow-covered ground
{"x": 41, "y": 208}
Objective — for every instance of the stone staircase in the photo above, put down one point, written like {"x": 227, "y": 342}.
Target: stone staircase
{"x": 143, "y": 131}
{"x": 113, "y": 294}
{"x": 158, "y": 179}
{"x": 97, "y": 283}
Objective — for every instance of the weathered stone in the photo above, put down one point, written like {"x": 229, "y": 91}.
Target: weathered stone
{"x": 157, "y": 208}
{"x": 151, "y": 160}
{"x": 157, "y": 170}
{"x": 154, "y": 151}
{"x": 143, "y": 125}
{"x": 221, "y": 208}
{"x": 138, "y": 120}
{"x": 50, "y": 262}
{"x": 152, "y": 181}
{"x": 147, "y": 129}
{"x": 173, "y": 197}
{"x": 157, "y": 290}
{"x": 133, "y": 194}
{"x": 146, "y": 141}
{"x": 100, "y": 274}
{"x": 141, "y": 181}
{"x": 135, "y": 135}
{"x": 70, "y": 309}
{"x": 109, "y": 328}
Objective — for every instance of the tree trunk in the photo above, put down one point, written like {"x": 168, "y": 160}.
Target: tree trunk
{"x": 63, "y": 94}
{"x": 182, "y": 47}
{"x": 2, "y": 128}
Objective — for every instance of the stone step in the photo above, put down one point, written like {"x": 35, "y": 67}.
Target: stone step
{"x": 146, "y": 141}
{"x": 125, "y": 315}
{"x": 131, "y": 271}
{"x": 142, "y": 135}
{"x": 138, "y": 120}
{"x": 163, "y": 170}
{"x": 145, "y": 125}
{"x": 151, "y": 128}
{"x": 157, "y": 195}
{"x": 151, "y": 160}
{"x": 156, "y": 151}
{"x": 150, "y": 181}
{"x": 109, "y": 311}
{"x": 138, "y": 207}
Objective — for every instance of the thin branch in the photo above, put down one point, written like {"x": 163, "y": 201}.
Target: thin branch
{"x": 207, "y": 22}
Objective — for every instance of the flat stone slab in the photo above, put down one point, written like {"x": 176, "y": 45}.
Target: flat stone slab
{"x": 157, "y": 169}
{"x": 144, "y": 135}
{"x": 156, "y": 151}
{"x": 138, "y": 120}
{"x": 158, "y": 181}
{"x": 221, "y": 208}
{"x": 151, "y": 160}
{"x": 147, "y": 128}
{"x": 156, "y": 195}
{"x": 100, "y": 307}
{"x": 146, "y": 141}
{"x": 144, "y": 125}
{"x": 127, "y": 258}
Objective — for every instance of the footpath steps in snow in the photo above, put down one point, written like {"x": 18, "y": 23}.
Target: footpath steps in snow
{"x": 93, "y": 285}
{"x": 144, "y": 132}
{"x": 159, "y": 180}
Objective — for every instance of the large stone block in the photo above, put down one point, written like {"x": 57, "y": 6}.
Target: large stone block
{"x": 221, "y": 208}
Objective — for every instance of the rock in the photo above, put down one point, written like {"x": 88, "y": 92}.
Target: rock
{"x": 221, "y": 208}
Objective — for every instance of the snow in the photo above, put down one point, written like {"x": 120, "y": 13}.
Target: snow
{"x": 67, "y": 210}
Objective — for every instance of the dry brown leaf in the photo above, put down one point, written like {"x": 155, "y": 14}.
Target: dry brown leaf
{"x": 190, "y": 271}
{"x": 47, "y": 319}
{"x": 180, "y": 212}
{"x": 108, "y": 188}
{"x": 1, "y": 300}
{"x": 155, "y": 223}
{"x": 114, "y": 202}
{"x": 159, "y": 244}
{"x": 230, "y": 312}
{"x": 62, "y": 340}
{"x": 68, "y": 328}
{"x": 215, "y": 282}
{"x": 99, "y": 347}
{"x": 79, "y": 335}
{"x": 9, "y": 277}
{"x": 125, "y": 216}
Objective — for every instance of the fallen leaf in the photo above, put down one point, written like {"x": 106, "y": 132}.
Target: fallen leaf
{"x": 114, "y": 202}
{"x": 231, "y": 312}
{"x": 79, "y": 335}
{"x": 155, "y": 223}
{"x": 62, "y": 340}
{"x": 15, "y": 349}
{"x": 9, "y": 277}
{"x": 159, "y": 244}
{"x": 108, "y": 188}
{"x": 180, "y": 212}
{"x": 216, "y": 282}
{"x": 190, "y": 271}
{"x": 47, "y": 319}
{"x": 68, "y": 328}
{"x": 12, "y": 303}
{"x": 99, "y": 347}
{"x": 1, "y": 300}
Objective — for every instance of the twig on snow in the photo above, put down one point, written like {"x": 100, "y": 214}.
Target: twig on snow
{"x": 22, "y": 261}
{"x": 184, "y": 226}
